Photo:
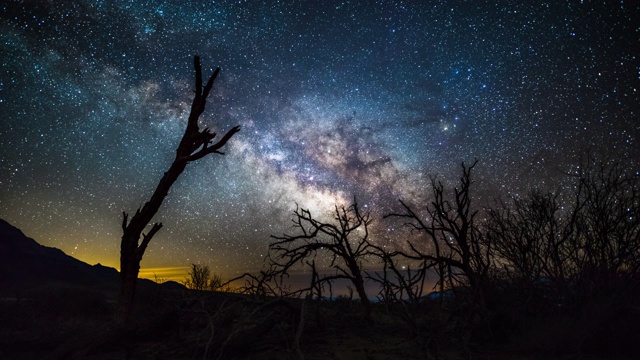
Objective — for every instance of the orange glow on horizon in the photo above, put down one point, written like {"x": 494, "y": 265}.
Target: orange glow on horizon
{"x": 173, "y": 273}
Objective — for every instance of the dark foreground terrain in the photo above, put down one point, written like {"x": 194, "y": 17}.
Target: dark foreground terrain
{"x": 53, "y": 306}
{"x": 62, "y": 322}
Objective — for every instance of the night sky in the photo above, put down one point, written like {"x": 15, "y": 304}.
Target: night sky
{"x": 335, "y": 100}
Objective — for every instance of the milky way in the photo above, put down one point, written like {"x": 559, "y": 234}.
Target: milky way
{"x": 335, "y": 100}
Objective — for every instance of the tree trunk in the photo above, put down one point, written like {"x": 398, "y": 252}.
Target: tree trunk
{"x": 364, "y": 300}
{"x": 358, "y": 282}
{"x": 195, "y": 144}
{"x": 128, "y": 280}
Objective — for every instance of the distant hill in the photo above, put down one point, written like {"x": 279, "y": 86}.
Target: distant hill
{"x": 27, "y": 265}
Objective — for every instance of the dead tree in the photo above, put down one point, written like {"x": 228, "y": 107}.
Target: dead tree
{"x": 530, "y": 238}
{"x": 346, "y": 242}
{"x": 569, "y": 247}
{"x": 605, "y": 246}
{"x": 196, "y": 143}
{"x": 397, "y": 283}
{"x": 457, "y": 252}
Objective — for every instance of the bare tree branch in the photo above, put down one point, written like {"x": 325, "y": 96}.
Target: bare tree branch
{"x": 131, "y": 251}
{"x": 346, "y": 241}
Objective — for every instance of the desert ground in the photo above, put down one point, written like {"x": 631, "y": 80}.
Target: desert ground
{"x": 62, "y": 322}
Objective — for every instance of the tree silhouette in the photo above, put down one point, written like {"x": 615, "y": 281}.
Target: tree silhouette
{"x": 196, "y": 143}
{"x": 573, "y": 246}
{"x": 346, "y": 241}
{"x": 457, "y": 252}
{"x": 531, "y": 247}
{"x": 606, "y": 242}
{"x": 201, "y": 278}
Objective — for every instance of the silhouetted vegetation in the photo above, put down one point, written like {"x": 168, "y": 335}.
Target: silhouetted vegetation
{"x": 454, "y": 247}
{"x": 566, "y": 262}
{"x": 195, "y": 144}
{"x": 201, "y": 278}
{"x": 552, "y": 272}
{"x": 547, "y": 274}
{"x": 345, "y": 241}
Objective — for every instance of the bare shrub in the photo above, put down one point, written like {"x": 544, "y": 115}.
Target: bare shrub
{"x": 201, "y": 278}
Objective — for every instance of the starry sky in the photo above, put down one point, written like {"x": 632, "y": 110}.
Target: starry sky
{"x": 336, "y": 99}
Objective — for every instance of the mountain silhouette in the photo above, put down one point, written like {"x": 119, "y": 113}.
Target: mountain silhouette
{"x": 26, "y": 265}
